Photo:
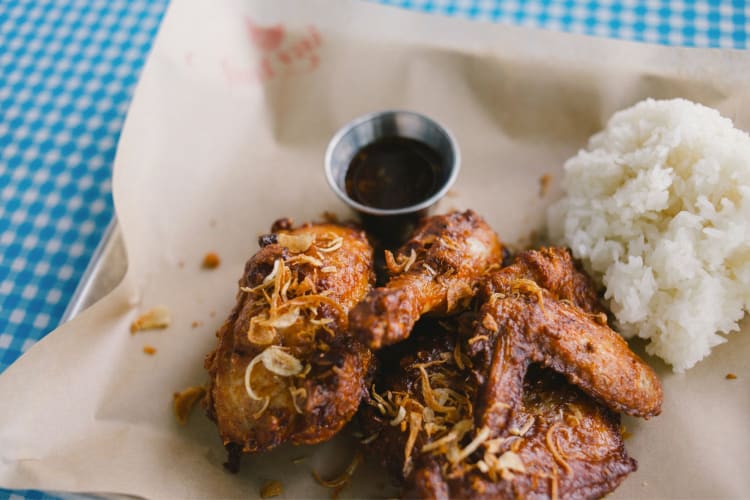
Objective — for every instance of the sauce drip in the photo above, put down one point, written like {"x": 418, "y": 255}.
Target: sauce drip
{"x": 394, "y": 172}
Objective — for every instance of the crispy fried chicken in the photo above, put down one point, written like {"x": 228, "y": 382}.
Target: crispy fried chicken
{"x": 285, "y": 368}
{"x": 420, "y": 421}
{"x": 516, "y": 397}
{"x": 437, "y": 271}
{"x": 485, "y": 410}
{"x": 543, "y": 313}
{"x": 553, "y": 269}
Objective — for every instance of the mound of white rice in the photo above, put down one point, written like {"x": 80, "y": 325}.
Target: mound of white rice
{"x": 658, "y": 210}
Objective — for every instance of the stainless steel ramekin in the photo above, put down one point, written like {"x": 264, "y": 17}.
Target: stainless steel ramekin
{"x": 390, "y": 224}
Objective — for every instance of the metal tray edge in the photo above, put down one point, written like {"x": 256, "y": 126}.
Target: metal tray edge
{"x": 103, "y": 273}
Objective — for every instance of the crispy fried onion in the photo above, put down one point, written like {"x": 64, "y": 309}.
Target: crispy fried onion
{"x": 415, "y": 425}
{"x": 442, "y": 422}
{"x": 399, "y": 417}
{"x": 329, "y": 242}
{"x": 401, "y": 263}
{"x": 501, "y": 467}
{"x": 278, "y": 362}
{"x": 300, "y": 242}
{"x": 443, "y": 414}
{"x": 342, "y": 479}
{"x": 287, "y": 303}
{"x": 284, "y": 303}
{"x": 456, "y": 434}
{"x": 554, "y": 449}
{"x": 459, "y": 293}
{"x": 521, "y": 431}
{"x": 528, "y": 287}
{"x": 297, "y": 242}
{"x": 296, "y": 392}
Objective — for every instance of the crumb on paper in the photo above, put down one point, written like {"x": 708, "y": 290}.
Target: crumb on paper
{"x": 271, "y": 489}
{"x": 150, "y": 350}
{"x": 625, "y": 433}
{"x": 185, "y": 400}
{"x": 342, "y": 481}
{"x": 196, "y": 323}
{"x": 730, "y": 376}
{"x": 212, "y": 314}
{"x": 212, "y": 222}
{"x": 369, "y": 439}
{"x": 211, "y": 261}
{"x": 181, "y": 264}
{"x": 153, "y": 319}
{"x": 452, "y": 193}
{"x": 544, "y": 182}
{"x": 644, "y": 483}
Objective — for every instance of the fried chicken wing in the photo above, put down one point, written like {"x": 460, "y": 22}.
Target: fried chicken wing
{"x": 553, "y": 269}
{"x": 285, "y": 368}
{"x": 523, "y": 323}
{"x": 437, "y": 271}
{"x": 560, "y": 443}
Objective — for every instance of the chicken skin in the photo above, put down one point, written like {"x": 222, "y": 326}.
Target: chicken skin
{"x": 479, "y": 406}
{"x": 437, "y": 271}
{"x": 558, "y": 327}
{"x": 552, "y": 268}
{"x": 285, "y": 368}
{"x": 420, "y": 421}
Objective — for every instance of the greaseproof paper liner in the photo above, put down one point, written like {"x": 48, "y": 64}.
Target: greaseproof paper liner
{"x": 227, "y": 132}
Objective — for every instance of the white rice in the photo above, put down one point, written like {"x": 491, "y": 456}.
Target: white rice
{"x": 658, "y": 210}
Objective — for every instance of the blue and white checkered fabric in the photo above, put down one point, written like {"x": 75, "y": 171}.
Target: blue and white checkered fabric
{"x": 67, "y": 72}
{"x": 668, "y": 22}
{"x": 68, "y": 69}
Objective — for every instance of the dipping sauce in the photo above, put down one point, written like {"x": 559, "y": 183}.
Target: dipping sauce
{"x": 394, "y": 172}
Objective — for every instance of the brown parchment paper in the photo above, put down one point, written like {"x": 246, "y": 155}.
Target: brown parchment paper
{"x": 227, "y": 132}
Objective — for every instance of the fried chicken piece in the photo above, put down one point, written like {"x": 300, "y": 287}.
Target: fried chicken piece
{"x": 553, "y": 269}
{"x": 437, "y": 271}
{"x": 565, "y": 446}
{"x": 560, "y": 444}
{"x": 523, "y": 323}
{"x": 285, "y": 368}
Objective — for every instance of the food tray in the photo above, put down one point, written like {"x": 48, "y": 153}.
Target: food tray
{"x": 209, "y": 156}
{"x": 104, "y": 271}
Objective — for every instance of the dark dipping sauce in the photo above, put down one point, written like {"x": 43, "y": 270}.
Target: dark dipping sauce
{"x": 394, "y": 172}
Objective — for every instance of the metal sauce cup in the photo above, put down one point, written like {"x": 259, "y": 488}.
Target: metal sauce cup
{"x": 391, "y": 225}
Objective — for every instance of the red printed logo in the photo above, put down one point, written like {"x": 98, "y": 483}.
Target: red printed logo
{"x": 281, "y": 54}
{"x": 266, "y": 39}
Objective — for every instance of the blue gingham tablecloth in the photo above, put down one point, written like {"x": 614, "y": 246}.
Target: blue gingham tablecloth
{"x": 67, "y": 73}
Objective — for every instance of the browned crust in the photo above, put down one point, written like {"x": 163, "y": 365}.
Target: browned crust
{"x": 437, "y": 272}
{"x": 525, "y": 321}
{"x": 339, "y": 365}
{"x": 584, "y": 432}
